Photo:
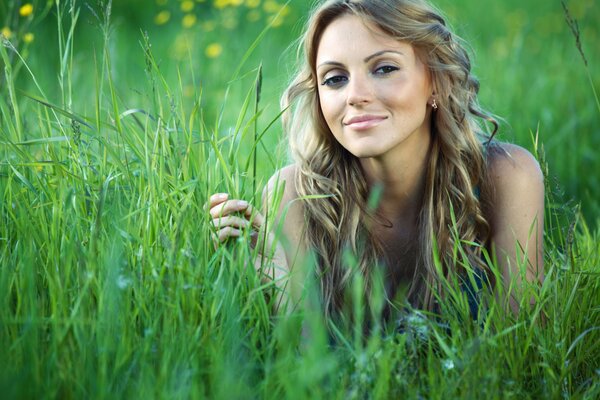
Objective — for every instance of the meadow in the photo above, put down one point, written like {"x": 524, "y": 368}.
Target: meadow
{"x": 117, "y": 121}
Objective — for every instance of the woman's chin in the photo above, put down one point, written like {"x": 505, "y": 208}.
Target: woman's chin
{"x": 366, "y": 152}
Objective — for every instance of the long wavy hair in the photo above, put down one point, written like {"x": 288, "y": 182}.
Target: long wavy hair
{"x": 452, "y": 211}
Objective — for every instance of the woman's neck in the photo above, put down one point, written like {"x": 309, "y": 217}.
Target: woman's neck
{"x": 402, "y": 175}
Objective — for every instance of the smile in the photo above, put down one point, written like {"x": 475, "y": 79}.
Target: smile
{"x": 364, "y": 122}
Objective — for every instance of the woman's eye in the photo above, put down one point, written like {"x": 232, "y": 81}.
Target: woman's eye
{"x": 334, "y": 80}
{"x": 386, "y": 69}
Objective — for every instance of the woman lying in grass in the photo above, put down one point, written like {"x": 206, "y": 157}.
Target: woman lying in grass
{"x": 385, "y": 103}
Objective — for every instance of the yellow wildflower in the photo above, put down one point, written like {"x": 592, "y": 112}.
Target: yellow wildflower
{"x": 213, "y": 50}
{"x": 275, "y": 21}
{"x": 6, "y": 32}
{"x": 181, "y": 46}
{"x": 162, "y": 17}
{"x": 26, "y": 10}
{"x": 209, "y": 26}
{"x": 188, "y": 20}
{"x": 500, "y": 48}
{"x": 284, "y": 10}
{"x": 188, "y": 91}
{"x": 253, "y": 16}
{"x": 252, "y": 3}
{"x": 226, "y": 3}
{"x": 271, "y": 6}
{"x": 187, "y": 6}
{"x": 229, "y": 23}
{"x": 28, "y": 37}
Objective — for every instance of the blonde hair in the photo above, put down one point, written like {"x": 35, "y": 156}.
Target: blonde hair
{"x": 455, "y": 172}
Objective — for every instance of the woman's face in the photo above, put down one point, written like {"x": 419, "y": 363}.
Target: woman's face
{"x": 373, "y": 90}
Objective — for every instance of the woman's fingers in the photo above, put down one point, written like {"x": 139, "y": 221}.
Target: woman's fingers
{"x": 217, "y": 198}
{"x": 227, "y": 207}
{"x": 225, "y": 233}
{"x": 230, "y": 217}
{"x": 230, "y": 220}
{"x": 239, "y": 207}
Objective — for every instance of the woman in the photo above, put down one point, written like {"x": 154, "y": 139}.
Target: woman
{"x": 385, "y": 100}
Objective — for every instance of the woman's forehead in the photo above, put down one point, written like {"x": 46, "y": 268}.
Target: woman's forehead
{"x": 350, "y": 36}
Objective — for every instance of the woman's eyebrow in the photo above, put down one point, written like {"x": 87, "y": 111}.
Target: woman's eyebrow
{"x": 366, "y": 59}
{"x": 334, "y": 63}
{"x": 369, "y": 58}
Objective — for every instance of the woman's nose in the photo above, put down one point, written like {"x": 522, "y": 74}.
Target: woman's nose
{"x": 359, "y": 91}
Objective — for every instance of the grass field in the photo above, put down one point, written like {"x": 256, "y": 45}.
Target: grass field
{"x": 116, "y": 126}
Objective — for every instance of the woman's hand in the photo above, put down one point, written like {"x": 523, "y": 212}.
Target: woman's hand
{"x": 273, "y": 263}
{"x": 230, "y": 217}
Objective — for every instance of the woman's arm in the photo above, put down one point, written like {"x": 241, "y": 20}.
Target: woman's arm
{"x": 288, "y": 225}
{"x": 279, "y": 245}
{"x": 517, "y": 217}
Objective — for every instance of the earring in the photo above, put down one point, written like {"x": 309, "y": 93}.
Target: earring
{"x": 434, "y": 105}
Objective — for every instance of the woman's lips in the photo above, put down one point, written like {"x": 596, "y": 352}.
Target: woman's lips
{"x": 364, "y": 122}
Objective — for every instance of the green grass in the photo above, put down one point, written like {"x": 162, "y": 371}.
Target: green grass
{"x": 109, "y": 284}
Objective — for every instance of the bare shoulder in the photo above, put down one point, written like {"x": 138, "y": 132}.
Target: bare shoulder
{"x": 516, "y": 214}
{"x": 517, "y": 185}
{"x": 512, "y": 168}
{"x": 291, "y": 224}
{"x": 284, "y": 178}
{"x": 282, "y": 187}
{"x": 281, "y": 190}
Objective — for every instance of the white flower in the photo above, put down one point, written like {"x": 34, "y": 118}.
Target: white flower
{"x": 123, "y": 282}
{"x": 448, "y": 365}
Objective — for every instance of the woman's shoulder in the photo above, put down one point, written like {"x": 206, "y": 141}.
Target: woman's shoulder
{"x": 517, "y": 187}
{"x": 288, "y": 172}
{"x": 281, "y": 189}
{"x": 512, "y": 167}
{"x": 284, "y": 179}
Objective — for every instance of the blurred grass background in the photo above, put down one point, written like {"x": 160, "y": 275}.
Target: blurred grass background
{"x": 524, "y": 54}
{"x": 109, "y": 283}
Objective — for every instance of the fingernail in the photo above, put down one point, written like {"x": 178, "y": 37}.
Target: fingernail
{"x": 242, "y": 203}
{"x": 222, "y": 196}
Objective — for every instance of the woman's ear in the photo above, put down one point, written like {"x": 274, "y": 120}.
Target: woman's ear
{"x": 433, "y": 103}
{"x": 433, "y": 84}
